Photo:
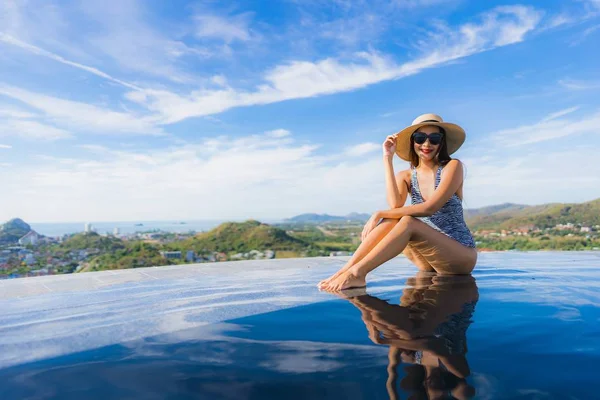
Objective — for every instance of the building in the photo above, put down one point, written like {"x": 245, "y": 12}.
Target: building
{"x": 88, "y": 227}
{"x": 190, "y": 256}
{"x": 30, "y": 237}
{"x": 171, "y": 254}
{"x": 29, "y": 259}
{"x": 116, "y": 231}
{"x": 339, "y": 253}
{"x": 562, "y": 227}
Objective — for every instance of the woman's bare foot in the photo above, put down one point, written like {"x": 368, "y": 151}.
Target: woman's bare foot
{"x": 325, "y": 282}
{"x": 346, "y": 280}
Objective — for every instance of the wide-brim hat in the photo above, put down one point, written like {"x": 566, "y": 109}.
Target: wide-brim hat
{"x": 455, "y": 135}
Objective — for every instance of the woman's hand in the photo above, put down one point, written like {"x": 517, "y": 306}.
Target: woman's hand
{"x": 389, "y": 146}
{"x": 370, "y": 225}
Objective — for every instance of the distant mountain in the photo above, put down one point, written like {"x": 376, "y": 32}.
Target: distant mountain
{"x": 358, "y": 216}
{"x": 499, "y": 216}
{"x": 242, "y": 237}
{"x": 507, "y": 216}
{"x": 319, "y": 218}
{"x": 13, "y": 230}
{"x": 498, "y": 208}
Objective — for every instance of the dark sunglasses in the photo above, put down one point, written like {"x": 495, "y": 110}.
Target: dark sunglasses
{"x": 434, "y": 138}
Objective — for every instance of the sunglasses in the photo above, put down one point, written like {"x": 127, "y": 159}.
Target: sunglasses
{"x": 434, "y": 138}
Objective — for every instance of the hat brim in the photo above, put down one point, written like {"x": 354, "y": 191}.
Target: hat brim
{"x": 455, "y": 137}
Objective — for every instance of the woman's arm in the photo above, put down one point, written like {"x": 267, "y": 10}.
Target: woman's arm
{"x": 449, "y": 184}
{"x": 396, "y": 191}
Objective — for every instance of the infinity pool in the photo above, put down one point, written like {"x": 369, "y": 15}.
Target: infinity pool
{"x": 525, "y": 326}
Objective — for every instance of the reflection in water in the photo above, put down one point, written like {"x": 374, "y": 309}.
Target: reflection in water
{"x": 427, "y": 330}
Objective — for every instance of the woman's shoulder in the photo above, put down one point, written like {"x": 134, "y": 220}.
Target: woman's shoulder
{"x": 404, "y": 173}
{"x": 453, "y": 164}
{"x": 404, "y": 176}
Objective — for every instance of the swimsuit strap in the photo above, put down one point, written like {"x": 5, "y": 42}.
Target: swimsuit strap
{"x": 438, "y": 176}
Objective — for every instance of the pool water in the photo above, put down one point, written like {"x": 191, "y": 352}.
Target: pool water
{"x": 524, "y": 326}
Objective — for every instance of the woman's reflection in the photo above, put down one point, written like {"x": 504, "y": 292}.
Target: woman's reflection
{"x": 428, "y": 331}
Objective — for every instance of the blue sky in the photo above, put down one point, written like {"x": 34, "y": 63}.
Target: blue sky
{"x": 152, "y": 110}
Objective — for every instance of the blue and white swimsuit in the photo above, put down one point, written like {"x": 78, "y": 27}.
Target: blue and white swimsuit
{"x": 449, "y": 219}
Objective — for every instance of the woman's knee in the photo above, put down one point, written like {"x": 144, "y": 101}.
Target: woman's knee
{"x": 388, "y": 223}
{"x": 407, "y": 221}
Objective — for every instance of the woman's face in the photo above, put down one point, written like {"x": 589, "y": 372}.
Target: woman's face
{"x": 427, "y": 151}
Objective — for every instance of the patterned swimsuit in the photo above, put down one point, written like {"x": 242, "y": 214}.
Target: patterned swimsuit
{"x": 449, "y": 219}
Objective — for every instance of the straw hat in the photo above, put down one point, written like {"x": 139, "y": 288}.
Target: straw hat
{"x": 455, "y": 135}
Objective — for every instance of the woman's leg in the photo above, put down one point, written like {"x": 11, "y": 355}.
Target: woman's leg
{"x": 413, "y": 254}
{"x": 393, "y": 360}
{"x": 374, "y": 237}
{"x": 445, "y": 255}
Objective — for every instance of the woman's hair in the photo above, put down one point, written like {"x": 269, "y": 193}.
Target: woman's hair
{"x": 442, "y": 156}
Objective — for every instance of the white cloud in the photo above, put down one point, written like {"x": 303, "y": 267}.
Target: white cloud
{"x": 120, "y": 32}
{"x": 124, "y": 34}
{"x": 94, "y": 148}
{"x": 558, "y": 20}
{"x": 583, "y": 35}
{"x": 361, "y": 149}
{"x": 538, "y": 177}
{"x": 290, "y": 80}
{"x": 277, "y": 133}
{"x": 38, "y": 21}
{"x": 11, "y": 112}
{"x": 32, "y": 130}
{"x": 5, "y": 146}
{"x": 560, "y": 113}
{"x": 82, "y": 116}
{"x": 302, "y": 79}
{"x": 36, "y": 50}
{"x": 529, "y": 168}
{"x": 592, "y": 3}
{"x": 272, "y": 176}
{"x": 418, "y": 3}
{"x": 227, "y": 29}
{"x": 220, "y": 177}
{"x": 549, "y": 128}
{"x": 350, "y": 31}
{"x": 573, "y": 84}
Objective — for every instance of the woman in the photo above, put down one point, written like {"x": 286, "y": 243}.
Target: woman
{"x": 431, "y": 232}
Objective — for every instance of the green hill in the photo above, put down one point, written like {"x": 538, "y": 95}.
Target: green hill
{"x": 92, "y": 240}
{"x": 510, "y": 216}
{"x": 13, "y": 230}
{"x": 242, "y": 237}
{"x": 133, "y": 255}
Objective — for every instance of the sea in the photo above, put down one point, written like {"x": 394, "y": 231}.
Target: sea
{"x": 129, "y": 227}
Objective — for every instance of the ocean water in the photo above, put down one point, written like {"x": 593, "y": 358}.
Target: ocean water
{"x": 128, "y": 227}
{"x": 524, "y": 326}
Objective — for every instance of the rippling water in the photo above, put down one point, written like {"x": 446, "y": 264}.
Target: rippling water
{"x": 526, "y": 325}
